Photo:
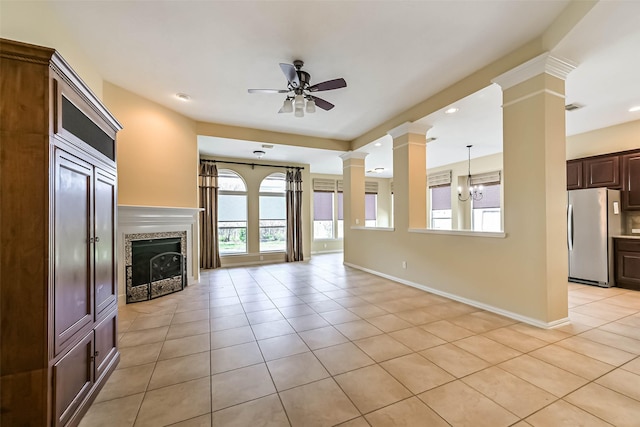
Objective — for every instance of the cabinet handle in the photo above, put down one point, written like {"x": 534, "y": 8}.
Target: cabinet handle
{"x": 97, "y": 353}
{"x": 90, "y": 239}
{"x": 97, "y": 239}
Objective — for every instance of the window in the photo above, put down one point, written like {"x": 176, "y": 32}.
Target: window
{"x": 340, "y": 216}
{"x": 439, "y": 184}
{"x": 273, "y": 213}
{"x": 440, "y": 207}
{"x": 322, "y": 215}
{"x": 486, "y": 211}
{"x": 370, "y": 210}
{"x": 370, "y": 204}
{"x": 232, "y": 213}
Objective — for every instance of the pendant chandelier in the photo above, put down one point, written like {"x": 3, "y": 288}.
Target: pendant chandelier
{"x": 475, "y": 191}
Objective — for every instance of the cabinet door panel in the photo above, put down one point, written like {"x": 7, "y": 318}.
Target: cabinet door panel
{"x": 72, "y": 379}
{"x": 106, "y": 341}
{"x": 602, "y": 172}
{"x": 574, "y": 175}
{"x": 73, "y": 256}
{"x": 628, "y": 270}
{"x": 105, "y": 212}
{"x": 631, "y": 184}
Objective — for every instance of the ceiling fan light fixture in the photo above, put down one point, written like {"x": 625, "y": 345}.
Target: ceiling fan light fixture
{"x": 299, "y": 112}
{"x": 298, "y": 102}
{"x": 311, "y": 106}
{"x": 287, "y": 106}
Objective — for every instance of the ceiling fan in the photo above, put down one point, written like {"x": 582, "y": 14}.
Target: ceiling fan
{"x": 299, "y": 89}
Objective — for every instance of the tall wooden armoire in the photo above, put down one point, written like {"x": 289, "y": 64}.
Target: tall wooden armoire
{"x": 58, "y": 204}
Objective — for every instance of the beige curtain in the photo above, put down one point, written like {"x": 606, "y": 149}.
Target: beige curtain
{"x": 294, "y": 215}
{"x": 208, "y": 183}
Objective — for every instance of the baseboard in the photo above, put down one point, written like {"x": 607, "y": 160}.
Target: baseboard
{"x": 487, "y": 307}
{"x": 331, "y": 251}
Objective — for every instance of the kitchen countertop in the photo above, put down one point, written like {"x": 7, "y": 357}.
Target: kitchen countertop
{"x": 627, "y": 236}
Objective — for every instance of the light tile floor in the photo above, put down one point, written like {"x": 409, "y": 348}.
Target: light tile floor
{"x": 321, "y": 344}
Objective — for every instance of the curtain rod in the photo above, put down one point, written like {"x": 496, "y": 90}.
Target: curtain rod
{"x": 253, "y": 164}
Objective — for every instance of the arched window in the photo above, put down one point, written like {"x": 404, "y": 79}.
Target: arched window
{"x": 273, "y": 214}
{"x": 232, "y": 213}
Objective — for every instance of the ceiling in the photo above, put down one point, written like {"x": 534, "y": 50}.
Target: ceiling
{"x": 393, "y": 54}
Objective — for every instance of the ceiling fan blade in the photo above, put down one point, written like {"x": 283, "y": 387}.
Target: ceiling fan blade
{"x": 291, "y": 74}
{"x": 325, "y": 105}
{"x": 268, "y": 90}
{"x": 328, "y": 85}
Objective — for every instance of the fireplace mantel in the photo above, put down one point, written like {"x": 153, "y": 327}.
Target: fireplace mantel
{"x": 158, "y": 219}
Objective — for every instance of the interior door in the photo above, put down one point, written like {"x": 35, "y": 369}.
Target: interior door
{"x": 105, "y": 241}
{"x": 73, "y": 257}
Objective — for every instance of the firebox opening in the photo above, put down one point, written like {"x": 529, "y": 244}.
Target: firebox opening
{"x": 143, "y": 250}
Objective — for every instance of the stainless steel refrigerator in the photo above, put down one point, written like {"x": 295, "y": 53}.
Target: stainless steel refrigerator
{"x": 593, "y": 217}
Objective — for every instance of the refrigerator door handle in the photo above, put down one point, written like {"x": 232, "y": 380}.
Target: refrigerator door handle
{"x": 570, "y": 227}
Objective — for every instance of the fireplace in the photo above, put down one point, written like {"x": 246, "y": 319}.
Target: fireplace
{"x": 155, "y": 264}
{"x": 142, "y": 223}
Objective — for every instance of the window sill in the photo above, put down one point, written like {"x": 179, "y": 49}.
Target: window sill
{"x": 328, "y": 239}
{"x": 470, "y": 233}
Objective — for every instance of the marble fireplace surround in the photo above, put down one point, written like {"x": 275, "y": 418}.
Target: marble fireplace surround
{"x": 138, "y": 220}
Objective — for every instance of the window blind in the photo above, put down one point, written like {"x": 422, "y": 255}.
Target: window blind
{"x": 439, "y": 179}
{"x": 370, "y": 207}
{"x": 391, "y": 186}
{"x": 340, "y": 207}
{"x": 321, "y": 184}
{"x": 490, "y": 197}
{"x": 339, "y": 182}
{"x": 370, "y": 187}
{"x": 322, "y": 206}
{"x": 488, "y": 178}
{"x": 441, "y": 198}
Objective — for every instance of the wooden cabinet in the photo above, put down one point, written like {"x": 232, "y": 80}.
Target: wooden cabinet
{"x": 631, "y": 181}
{"x": 627, "y": 260}
{"x": 592, "y": 172}
{"x": 58, "y": 285}
{"x": 602, "y": 171}
{"x": 574, "y": 175}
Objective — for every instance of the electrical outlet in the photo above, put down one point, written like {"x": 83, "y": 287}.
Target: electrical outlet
{"x": 261, "y": 257}
{"x": 357, "y": 221}
{"x": 325, "y": 246}
{"x": 635, "y": 230}
{"x": 404, "y": 264}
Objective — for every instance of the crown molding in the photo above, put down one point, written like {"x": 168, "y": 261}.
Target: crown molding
{"x": 409, "y": 127}
{"x": 544, "y": 63}
{"x": 353, "y": 155}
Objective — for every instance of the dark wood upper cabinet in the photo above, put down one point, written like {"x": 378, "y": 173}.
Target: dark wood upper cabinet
{"x": 602, "y": 171}
{"x": 574, "y": 175}
{"x": 631, "y": 181}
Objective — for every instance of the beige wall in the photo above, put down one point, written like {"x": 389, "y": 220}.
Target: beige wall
{"x": 625, "y": 136}
{"x": 522, "y": 274}
{"x": 253, "y": 178}
{"x": 157, "y": 152}
{"x": 35, "y": 22}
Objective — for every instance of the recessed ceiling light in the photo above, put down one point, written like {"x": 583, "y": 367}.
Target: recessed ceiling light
{"x": 259, "y": 153}
{"x": 451, "y": 110}
{"x": 183, "y": 97}
{"x": 634, "y": 109}
{"x": 378, "y": 144}
{"x": 376, "y": 170}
